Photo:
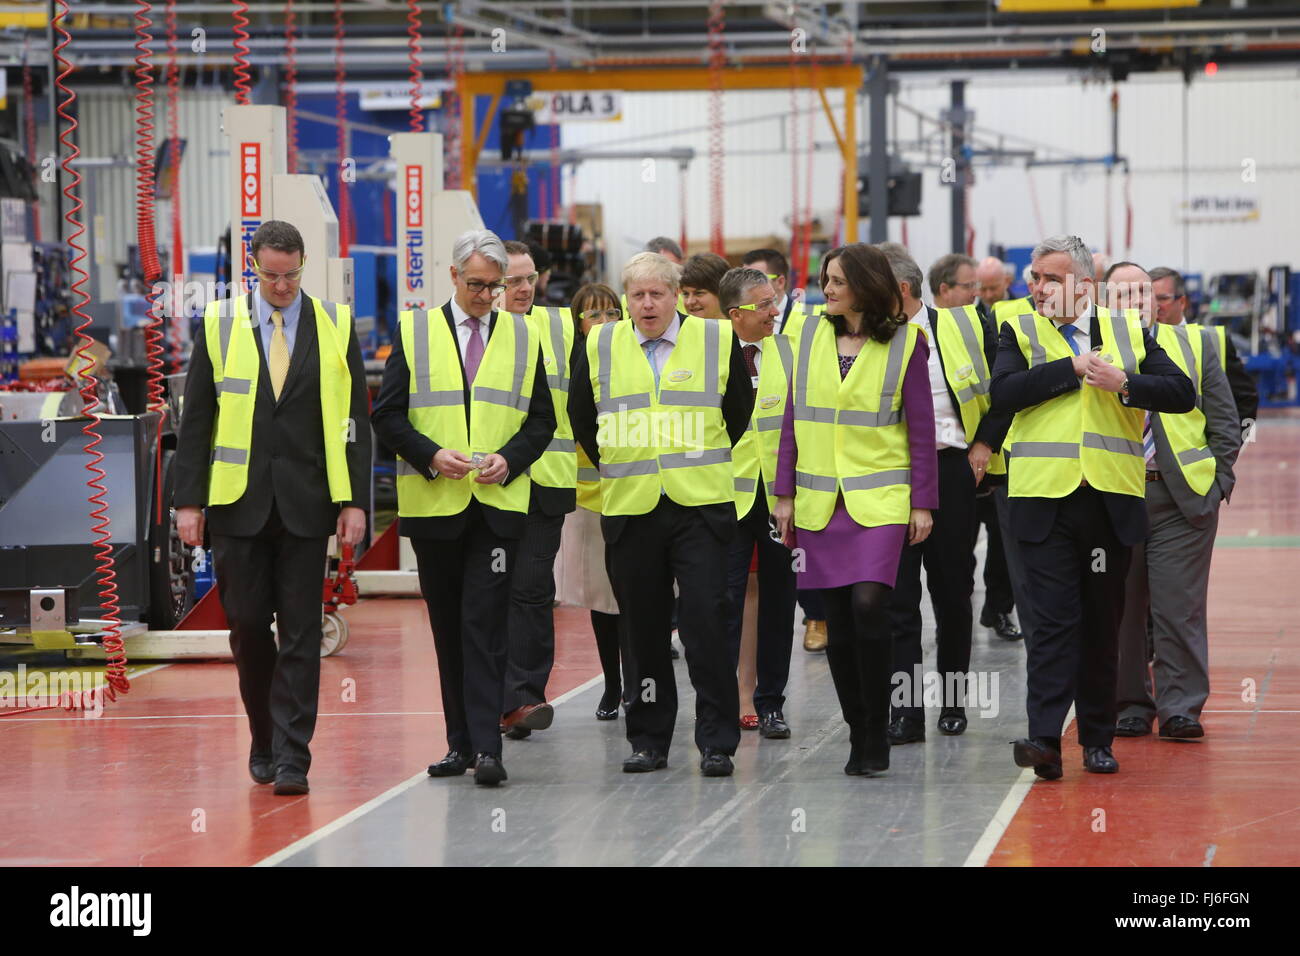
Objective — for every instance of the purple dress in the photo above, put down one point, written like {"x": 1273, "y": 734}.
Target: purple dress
{"x": 844, "y": 552}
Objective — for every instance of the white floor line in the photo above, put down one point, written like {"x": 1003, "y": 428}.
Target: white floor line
{"x": 335, "y": 825}
{"x": 1006, "y": 812}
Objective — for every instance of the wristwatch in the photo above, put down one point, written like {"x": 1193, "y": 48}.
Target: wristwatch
{"x": 1123, "y": 389}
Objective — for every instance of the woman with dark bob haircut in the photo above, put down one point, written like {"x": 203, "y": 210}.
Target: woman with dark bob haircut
{"x": 857, "y": 475}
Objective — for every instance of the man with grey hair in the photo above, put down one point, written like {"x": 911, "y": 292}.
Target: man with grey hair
{"x": 1078, "y": 379}
{"x": 667, "y": 248}
{"x": 961, "y": 355}
{"x": 657, "y": 404}
{"x": 466, "y": 415}
{"x": 952, "y": 281}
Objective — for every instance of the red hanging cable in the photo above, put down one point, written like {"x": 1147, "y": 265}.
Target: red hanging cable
{"x": 290, "y": 84}
{"x": 29, "y": 133}
{"x": 341, "y": 113}
{"x": 413, "y": 54}
{"x": 717, "y": 132}
{"x": 243, "y": 79}
{"x": 115, "y": 669}
{"x": 177, "y": 330}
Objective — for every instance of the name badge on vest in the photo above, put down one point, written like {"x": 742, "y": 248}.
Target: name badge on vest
{"x": 769, "y": 401}
{"x": 681, "y": 375}
{"x": 966, "y": 371}
{"x": 753, "y": 380}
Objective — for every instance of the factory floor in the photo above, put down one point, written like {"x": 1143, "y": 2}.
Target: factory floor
{"x": 161, "y": 778}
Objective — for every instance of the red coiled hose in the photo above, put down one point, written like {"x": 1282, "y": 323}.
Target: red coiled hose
{"x": 243, "y": 80}
{"x": 417, "y": 76}
{"x": 115, "y": 669}
{"x": 291, "y": 83}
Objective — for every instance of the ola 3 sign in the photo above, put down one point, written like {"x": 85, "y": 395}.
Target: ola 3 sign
{"x": 585, "y": 106}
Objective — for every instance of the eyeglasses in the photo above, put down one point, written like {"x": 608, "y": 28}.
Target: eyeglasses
{"x": 516, "y": 281}
{"x": 274, "y": 277}
{"x": 478, "y": 288}
{"x": 594, "y": 315}
{"x": 772, "y": 276}
{"x": 763, "y": 306}
{"x": 965, "y": 285}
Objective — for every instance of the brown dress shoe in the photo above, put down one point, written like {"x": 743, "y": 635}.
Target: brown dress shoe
{"x": 814, "y": 636}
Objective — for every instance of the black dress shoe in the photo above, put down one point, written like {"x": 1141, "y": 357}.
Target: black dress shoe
{"x": 868, "y": 754}
{"x": 905, "y": 730}
{"x": 1040, "y": 754}
{"x": 952, "y": 721}
{"x": 1099, "y": 760}
{"x": 518, "y": 733}
{"x": 1132, "y": 727}
{"x": 773, "y": 726}
{"x": 644, "y": 761}
{"x": 1181, "y": 728}
{"x": 488, "y": 770}
{"x": 1005, "y": 628}
{"x": 714, "y": 763}
{"x": 261, "y": 768}
{"x": 452, "y": 765}
{"x": 607, "y": 709}
{"x": 290, "y": 783}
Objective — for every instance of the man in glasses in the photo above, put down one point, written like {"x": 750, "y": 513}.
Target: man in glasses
{"x": 465, "y": 406}
{"x": 531, "y": 645}
{"x": 749, "y": 301}
{"x": 275, "y": 443}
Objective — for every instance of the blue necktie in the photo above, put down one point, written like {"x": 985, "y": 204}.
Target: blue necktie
{"x": 650, "y": 345}
{"x": 1068, "y": 331}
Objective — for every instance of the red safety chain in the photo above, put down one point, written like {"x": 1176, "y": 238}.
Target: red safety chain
{"x": 291, "y": 83}
{"x": 29, "y": 127}
{"x": 413, "y": 54}
{"x": 341, "y": 113}
{"x": 717, "y": 131}
{"x": 243, "y": 79}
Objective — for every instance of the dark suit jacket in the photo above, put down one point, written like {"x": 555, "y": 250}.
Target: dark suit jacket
{"x": 1159, "y": 386}
{"x": 287, "y": 460}
{"x": 737, "y": 405}
{"x": 557, "y": 501}
{"x": 993, "y": 427}
{"x": 394, "y": 428}
{"x": 1245, "y": 393}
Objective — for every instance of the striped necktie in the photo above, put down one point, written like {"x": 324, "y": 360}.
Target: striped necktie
{"x": 278, "y": 359}
{"x": 650, "y": 346}
{"x": 1149, "y": 444}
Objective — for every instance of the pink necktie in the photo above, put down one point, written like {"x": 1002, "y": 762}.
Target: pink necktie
{"x": 473, "y": 351}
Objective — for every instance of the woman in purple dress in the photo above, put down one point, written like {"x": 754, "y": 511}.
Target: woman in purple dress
{"x": 851, "y": 428}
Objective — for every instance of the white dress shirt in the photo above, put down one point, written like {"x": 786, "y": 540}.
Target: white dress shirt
{"x": 660, "y": 353}
{"x": 461, "y": 317}
{"x": 948, "y": 429}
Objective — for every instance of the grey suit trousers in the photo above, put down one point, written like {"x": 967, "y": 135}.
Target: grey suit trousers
{"x": 1170, "y": 575}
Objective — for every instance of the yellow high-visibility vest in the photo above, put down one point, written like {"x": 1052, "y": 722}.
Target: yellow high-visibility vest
{"x": 1009, "y": 309}
{"x": 1186, "y": 432}
{"x": 229, "y": 330}
{"x": 1086, "y": 433}
{"x": 851, "y": 435}
{"x": 754, "y": 457}
{"x": 558, "y": 466}
{"x": 499, "y": 399}
{"x": 966, "y": 368}
{"x": 672, "y": 440}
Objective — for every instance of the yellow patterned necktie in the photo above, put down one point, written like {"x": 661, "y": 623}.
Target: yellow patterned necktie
{"x": 278, "y": 360}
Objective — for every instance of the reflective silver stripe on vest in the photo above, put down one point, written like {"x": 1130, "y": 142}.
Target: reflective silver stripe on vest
{"x": 438, "y": 399}
{"x": 688, "y": 459}
{"x": 1189, "y": 357}
{"x": 589, "y": 474}
{"x": 964, "y": 395}
{"x": 562, "y": 444}
{"x": 605, "y": 359}
{"x": 974, "y": 346}
{"x": 629, "y": 469}
{"x": 1119, "y": 446}
{"x": 803, "y": 412}
{"x": 229, "y": 456}
{"x": 405, "y": 468}
{"x": 771, "y": 487}
{"x": 711, "y": 395}
{"x": 770, "y": 423}
{"x": 786, "y": 352}
{"x": 519, "y": 400}
{"x": 871, "y": 419}
{"x": 1045, "y": 449}
{"x": 881, "y": 479}
{"x": 745, "y": 486}
{"x": 1193, "y": 455}
{"x": 807, "y": 413}
{"x": 1119, "y": 325}
{"x": 814, "y": 482}
{"x": 235, "y": 386}
{"x": 560, "y": 379}
{"x": 499, "y": 396}
{"x": 332, "y": 310}
{"x": 1037, "y": 354}
{"x": 893, "y": 367}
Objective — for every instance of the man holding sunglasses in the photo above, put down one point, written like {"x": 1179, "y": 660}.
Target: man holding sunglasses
{"x": 275, "y": 443}
{"x": 465, "y": 406}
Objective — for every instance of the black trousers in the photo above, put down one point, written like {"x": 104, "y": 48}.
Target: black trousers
{"x": 811, "y": 601}
{"x": 1015, "y": 560}
{"x": 1076, "y": 584}
{"x": 776, "y": 595}
{"x": 999, "y": 598}
{"x": 275, "y": 573}
{"x": 950, "y": 577}
{"x": 531, "y": 648}
{"x": 466, "y": 584}
{"x": 670, "y": 543}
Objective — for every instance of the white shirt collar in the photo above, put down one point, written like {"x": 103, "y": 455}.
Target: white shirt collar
{"x": 1082, "y": 322}
{"x": 670, "y": 333}
{"x": 460, "y": 316}
{"x": 922, "y": 317}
